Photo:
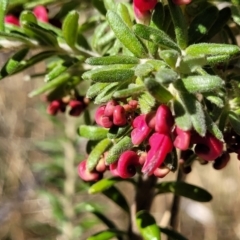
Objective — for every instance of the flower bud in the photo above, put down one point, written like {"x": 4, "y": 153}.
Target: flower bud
{"x": 113, "y": 169}
{"x": 182, "y": 141}
{"x": 161, "y": 145}
{"x": 164, "y": 120}
{"x": 110, "y": 108}
{"x": 127, "y": 164}
{"x": 11, "y": 19}
{"x": 161, "y": 172}
{"x": 142, "y": 17}
{"x": 85, "y": 175}
{"x": 141, "y": 130}
{"x": 76, "y": 108}
{"x": 54, "y": 107}
{"x": 144, "y": 5}
{"x": 41, "y": 13}
{"x": 119, "y": 116}
{"x": 102, "y": 120}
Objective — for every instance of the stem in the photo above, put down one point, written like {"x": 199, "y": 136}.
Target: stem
{"x": 174, "y": 220}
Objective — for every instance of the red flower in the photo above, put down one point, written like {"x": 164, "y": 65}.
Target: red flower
{"x": 119, "y": 116}
{"x": 101, "y": 119}
{"x": 41, "y": 13}
{"x": 11, "y": 19}
{"x": 76, "y": 108}
{"x": 182, "y": 141}
{"x": 54, "y": 107}
{"x": 161, "y": 145}
{"x": 144, "y": 5}
{"x": 141, "y": 130}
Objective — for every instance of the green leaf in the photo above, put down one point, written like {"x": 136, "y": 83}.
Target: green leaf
{"x": 158, "y": 16}
{"x": 110, "y": 4}
{"x": 13, "y": 63}
{"x": 112, "y": 73}
{"x": 116, "y": 196}
{"x": 125, "y": 35}
{"x": 172, "y": 234}
{"x": 92, "y": 132}
{"x": 166, "y": 76}
{"x": 201, "y": 24}
{"x": 27, "y": 16}
{"x": 212, "y": 49}
{"x": 109, "y": 60}
{"x": 103, "y": 185}
{"x": 206, "y": 83}
{"x": 15, "y": 40}
{"x": 51, "y": 85}
{"x": 44, "y": 36}
{"x": 114, "y": 153}
{"x": 159, "y": 92}
{"x": 146, "y": 102}
{"x": 180, "y": 25}
{"x": 147, "y": 226}
{"x": 70, "y": 27}
{"x": 185, "y": 190}
{"x": 182, "y": 117}
{"x": 155, "y": 35}
{"x": 117, "y": 132}
{"x": 170, "y": 57}
{"x": 123, "y": 12}
{"x": 129, "y": 92}
{"x": 107, "y": 234}
{"x": 95, "y": 89}
{"x": 97, "y": 152}
{"x": 144, "y": 70}
{"x": 3, "y": 8}
{"x": 234, "y": 121}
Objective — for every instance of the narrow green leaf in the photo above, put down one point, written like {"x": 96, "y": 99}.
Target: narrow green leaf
{"x": 144, "y": 70}
{"x": 234, "y": 121}
{"x": 70, "y": 27}
{"x": 107, "y": 234}
{"x": 180, "y": 25}
{"x": 155, "y": 35}
{"x": 159, "y": 92}
{"x": 185, "y": 190}
{"x": 125, "y": 35}
{"x": 218, "y": 101}
{"x": 110, "y": 4}
{"x": 103, "y": 185}
{"x": 13, "y": 63}
{"x": 123, "y": 12}
{"x": 3, "y": 8}
{"x": 158, "y": 16}
{"x": 214, "y": 60}
{"x": 92, "y": 132}
{"x": 147, "y": 226}
{"x": 97, "y": 152}
{"x": 172, "y": 234}
{"x": 170, "y": 57}
{"x": 95, "y": 89}
{"x": 117, "y": 132}
{"x": 117, "y": 197}
{"x": 146, "y": 102}
{"x": 109, "y": 60}
{"x": 129, "y": 92}
{"x": 50, "y": 85}
{"x": 201, "y": 24}
{"x": 212, "y": 49}
{"x": 15, "y": 37}
{"x": 114, "y": 153}
{"x": 182, "y": 117}
{"x": 112, "y": 73}
{"x": 27, "y": 16}
{"x": 166, "y": 76}
{"x": 206, "y": 83}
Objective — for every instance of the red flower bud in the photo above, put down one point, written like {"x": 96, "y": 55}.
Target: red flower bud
{"x": 101, "y": 167}
{"x": 119, "y": 116}
{"x": 164, "y": 120}
{"x": 144, "y": 5}
{"x": 110, "y": 108}
{"x": 102, "y": 120}
{"x": 208, "y": 147}
{"x": 54, "y": 107}
{"x": 161, "y": 145}
{"x": 11, "y": 19}
{"x": 127, "y": 164}
{"x": 41, "y": 13}
{"x": 76, "y": 108}
{"x": 141, "y": 130}
{"x": 161, "y": 172}
{"x": 142, "y": 17}
{"x": 182, "y": 141}
{"x": 85, "y": 175}
{"x": 113, "y": 169}
{"x": 181, "y": 2}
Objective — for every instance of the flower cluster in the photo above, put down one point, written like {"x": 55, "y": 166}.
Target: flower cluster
{"x": 154, "y": 135}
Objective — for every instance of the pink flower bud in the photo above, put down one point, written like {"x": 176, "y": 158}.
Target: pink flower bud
{"x": 11, "y": 19}
{"x": 141, "y": 130}
{"x": 181, "y": 2}
{"x": 209, "y": 147}
{"x": 102, "y": 120}
{"x": 161, "y": 145}
{"x": 127, "y": 164}
{"x": 41, "y": 13}
{"x": 161, "y": 172}
{"x": 119, "y": 116}
{"x": 182, "y": 141}
{"x": 113, "y": 169}
{"x": 142, "y": 17}
{"x": 144, "y": 5}
{"x": 133, "y": 104}
{"x": 85, "y": 175}
{"x": 164, "y": 120}
{"x": 151, "y": 119}
{"x": 101, "y": 167}
{"x": 54, "y": 107}
{"x": 110, "y": 108}
{"x": 76, "y": 108}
